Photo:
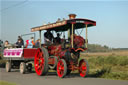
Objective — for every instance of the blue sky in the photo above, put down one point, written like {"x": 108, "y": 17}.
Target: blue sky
{"x": 111, "y": 17}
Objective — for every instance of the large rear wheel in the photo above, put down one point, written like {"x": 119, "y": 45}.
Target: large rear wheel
{"x": 61, "y": 68}
{"x": 83, "y": 68}
{"x": 41, "y": 61}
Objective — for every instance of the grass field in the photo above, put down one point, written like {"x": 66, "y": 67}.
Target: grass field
{"x": 6, "y": 83}
{"x": 111, "y": 65}
{"x": 112, "y": 53}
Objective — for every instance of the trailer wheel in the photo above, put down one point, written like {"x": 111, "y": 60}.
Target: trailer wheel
{"x": 83, "y": 68}
{"x": 61, "y": 68}
{"x": 22, "y": 67}
{"x": 53, "y": 67}
{"x": 8, "y": 66}
{"x": 41, "y": 62}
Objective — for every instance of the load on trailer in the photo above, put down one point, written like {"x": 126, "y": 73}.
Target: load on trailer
{"x": 63, "y": 56}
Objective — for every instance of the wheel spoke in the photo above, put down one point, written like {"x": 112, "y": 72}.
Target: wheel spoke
{"x": 83, "y": 67}
{"x": 59, "y": 64}
{"x": 42, "y": 60}
{"x": 61, "y": 72}
{"x": 38, "y": 67}
{"x": 62, "y": 67}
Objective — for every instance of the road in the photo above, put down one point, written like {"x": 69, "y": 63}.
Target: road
{"x": 52, "y": 79}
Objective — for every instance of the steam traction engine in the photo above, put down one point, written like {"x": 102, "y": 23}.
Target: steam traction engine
{"x": 63, "y": 57}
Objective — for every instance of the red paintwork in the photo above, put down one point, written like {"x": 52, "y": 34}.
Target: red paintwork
{"x": 51, "y": 60}
{"x": 56, "y": 50}
{"x": 39, "y": 62}
{"x": 29, "y": 52}
{"x": 78, "y": 49}
{"x": 78, "y": 41}
{"x": 73, "y": 22}
{"x": 72, "y": 66}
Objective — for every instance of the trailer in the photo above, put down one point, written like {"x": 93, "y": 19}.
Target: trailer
{"x": 19, "y": 58}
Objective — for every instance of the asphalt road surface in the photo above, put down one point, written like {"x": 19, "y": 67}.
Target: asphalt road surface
{"x": 52, "y": 79}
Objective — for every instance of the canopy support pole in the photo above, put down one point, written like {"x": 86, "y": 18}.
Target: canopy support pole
{"x": 72, "y": 35}
{"x": 40, "y": 37}
{"x": 86, "y": 41}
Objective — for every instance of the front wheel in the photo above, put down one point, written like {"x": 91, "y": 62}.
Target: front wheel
{"x": 61, "y": 68}
{"x": 83, "y": 68}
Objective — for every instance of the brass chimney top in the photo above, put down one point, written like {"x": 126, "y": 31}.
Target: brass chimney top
{"x": 72, "y": 16}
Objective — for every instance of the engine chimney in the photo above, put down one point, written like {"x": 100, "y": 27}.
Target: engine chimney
{"x": 72, "y": 16}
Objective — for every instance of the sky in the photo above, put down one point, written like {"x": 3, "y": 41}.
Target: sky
{"x": 17, "y": 17}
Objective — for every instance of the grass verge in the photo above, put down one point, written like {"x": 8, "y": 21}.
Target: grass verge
{"x": 6, "y": 83}
{"x": 110, "y": 67}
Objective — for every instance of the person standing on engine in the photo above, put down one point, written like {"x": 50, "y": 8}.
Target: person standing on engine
{"x": 48, "y": 37}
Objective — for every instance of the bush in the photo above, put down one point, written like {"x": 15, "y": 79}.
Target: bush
{"x": 112, "y": 67}
{"x": 115, "y": 75}
{"x": 111, "y": 60}
{"x": 123, "y": 60}
{"x": 101, "y": 72}
{"x": 97, "y": 61}
{"x": 100, "y": 61}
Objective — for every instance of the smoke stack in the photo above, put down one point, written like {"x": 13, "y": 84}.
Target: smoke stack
{"x": 72, "y": 16}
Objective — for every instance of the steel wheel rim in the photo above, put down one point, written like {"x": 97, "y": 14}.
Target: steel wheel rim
{"x": 60, "y": 68}
{"x": 21, "y": 68}
{"x": 39, "y": 62}
{"x": 7, "y": 67}
{"x": 83, "y": 68}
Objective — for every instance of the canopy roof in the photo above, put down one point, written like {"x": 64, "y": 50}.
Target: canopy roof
{"x": 65, "y": 25}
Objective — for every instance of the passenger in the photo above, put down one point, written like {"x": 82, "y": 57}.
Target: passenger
{"x": 6, "y": 44}
{"x": 48, "y": 37}
{"x": 32, "y": 39}
{"x": 22, "y": 41}
{"x": 27, "y": 43}
{"x": 30, "y": 43}
{"x": 58, "y": 39}
{"x": 37, "y": 43}
{"x": 19, "y": 44}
